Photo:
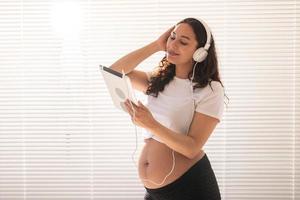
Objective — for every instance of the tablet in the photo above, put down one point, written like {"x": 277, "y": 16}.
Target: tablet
{"x": 119, "y": 87}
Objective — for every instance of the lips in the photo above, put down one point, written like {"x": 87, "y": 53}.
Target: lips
{"x": 172, "y": 53}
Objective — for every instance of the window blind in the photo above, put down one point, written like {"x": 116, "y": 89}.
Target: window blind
{"x": 62, "y": 138}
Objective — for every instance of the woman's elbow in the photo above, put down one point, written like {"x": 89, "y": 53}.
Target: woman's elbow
{"x": 191, "y": 149}
{"x": 192, "y": 154}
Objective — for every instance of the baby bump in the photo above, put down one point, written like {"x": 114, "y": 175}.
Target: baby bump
{"x": 156, "y": 161}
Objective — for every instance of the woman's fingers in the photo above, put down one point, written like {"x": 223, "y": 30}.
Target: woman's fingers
{"x": 140, "y": 115}
{"x": 141, "y": 105}
{"x": 128, "y": 107}
{"x": 131, "y": 107}
{"x": 166, "y": 34}
{"x": 162, "y": 40}
{"x": 170, "y": 30}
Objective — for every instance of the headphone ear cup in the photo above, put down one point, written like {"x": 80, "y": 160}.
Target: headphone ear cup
{"x": 200, "y": 54}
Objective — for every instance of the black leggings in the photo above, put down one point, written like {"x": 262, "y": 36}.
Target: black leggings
{"x": 198, "y": 183}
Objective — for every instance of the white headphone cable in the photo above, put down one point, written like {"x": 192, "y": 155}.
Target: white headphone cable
{"x": 136, "y": 136}
{"x": 136, "y": 146}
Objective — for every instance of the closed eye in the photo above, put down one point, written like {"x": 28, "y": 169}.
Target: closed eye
{"x": 183, "y": 43}
{"x": 173, "y": 38}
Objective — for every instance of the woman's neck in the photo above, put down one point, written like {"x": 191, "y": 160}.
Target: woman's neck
{"x": 182, "y": 71}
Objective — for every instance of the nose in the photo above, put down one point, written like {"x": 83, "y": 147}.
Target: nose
{"x": 173, "y": 44}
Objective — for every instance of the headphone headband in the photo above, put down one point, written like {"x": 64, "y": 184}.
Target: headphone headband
{"x": 201, "y": 53}
{"x": 208, "y": 34}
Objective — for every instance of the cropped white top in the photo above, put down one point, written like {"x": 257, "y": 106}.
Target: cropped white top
{"x": 174, "y": 107}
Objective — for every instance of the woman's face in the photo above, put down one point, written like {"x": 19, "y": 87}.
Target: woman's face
{"x": 181, "y": 45}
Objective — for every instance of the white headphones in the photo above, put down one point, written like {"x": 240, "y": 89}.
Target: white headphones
{"x": 201, "y": 53}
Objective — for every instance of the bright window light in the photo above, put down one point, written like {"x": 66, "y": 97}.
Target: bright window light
{"x": 66, "y": 18}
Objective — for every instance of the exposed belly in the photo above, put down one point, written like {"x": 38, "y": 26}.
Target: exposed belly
{"x": 156, "y": 162}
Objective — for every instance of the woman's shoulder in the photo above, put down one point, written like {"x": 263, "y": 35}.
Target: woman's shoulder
{"x": 216, "y": 86}
{"x": 211, "y": 87}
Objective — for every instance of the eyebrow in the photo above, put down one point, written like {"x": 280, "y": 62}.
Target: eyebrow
{"x": 182, "y": 36}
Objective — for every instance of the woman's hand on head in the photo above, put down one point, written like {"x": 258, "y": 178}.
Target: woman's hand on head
{"x": 162, "y": 40}
{"x": 140, "y": 114}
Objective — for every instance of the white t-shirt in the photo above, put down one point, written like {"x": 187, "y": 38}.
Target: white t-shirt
{"x": 174, "y": 107}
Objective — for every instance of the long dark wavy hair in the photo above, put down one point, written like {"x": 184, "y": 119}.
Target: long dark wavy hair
{"x": 205, "y": 71}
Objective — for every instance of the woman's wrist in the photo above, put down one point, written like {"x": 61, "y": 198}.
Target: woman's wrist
{"x": 153, "y": 126}
{"x": 157, "y": 46}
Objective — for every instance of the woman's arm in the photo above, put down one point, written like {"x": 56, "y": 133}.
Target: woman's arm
{"x": 133, "y": 59}
{"x": 190, "y": 145}
{"x": 129, "y": 62}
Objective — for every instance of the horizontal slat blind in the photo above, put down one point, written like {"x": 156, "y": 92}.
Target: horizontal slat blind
{"x": 62, "y": 138}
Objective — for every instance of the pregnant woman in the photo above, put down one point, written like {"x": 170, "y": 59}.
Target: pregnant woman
{"x": 185, "y": 104}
